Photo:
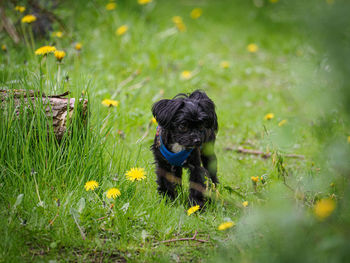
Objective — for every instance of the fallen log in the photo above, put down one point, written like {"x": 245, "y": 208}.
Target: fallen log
{"x": 264, "y": 155}
{"x": 58, "y": 109}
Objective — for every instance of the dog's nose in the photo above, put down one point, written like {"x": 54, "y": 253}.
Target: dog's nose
{"x": 196, "y": 141}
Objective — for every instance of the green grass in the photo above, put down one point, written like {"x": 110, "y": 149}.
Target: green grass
{"x": 47, "y": 179}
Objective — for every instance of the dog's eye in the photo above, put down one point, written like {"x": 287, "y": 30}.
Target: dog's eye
{"x": 182, "y": 128}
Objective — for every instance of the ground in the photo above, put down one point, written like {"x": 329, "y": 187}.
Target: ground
{"x": 246, "y": 57}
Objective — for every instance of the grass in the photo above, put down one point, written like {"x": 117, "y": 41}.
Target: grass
{"x": 48, "y": 215}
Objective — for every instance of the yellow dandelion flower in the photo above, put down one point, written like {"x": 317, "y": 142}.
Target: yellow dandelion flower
{"x": 113, "y": 193}
{"x": 324, "y": 208}
{"x": 273, "y": 1}
{"x": 58, "y": 34}
{"x": 153, "y": 120}
{"x": 91, "y": 185}
{"x": 332, "y": 185}
{"x": 255, "y": 179}
{"x": 179, "y": 23}
{"x": 111, "y": 6}
{"x": 28, "y": 19}
{"x": 186, "y": 74}
{"x": 252, "y": 48}
{"x": 59, "y": 54}
{"x": 282, "y": 122}
{"x": 226, "y": 225}
{"x": 78, "y": 46}
{"x": 20, "y": 8}
{"x": 196, "y": 13}
{"x": 143, "y": 2}
{"x": 193, "y": 209}
{"x": 225, "y": 64}
{"x": 45, "y": 50}
{"x": 136, "y": 174}
{"x": 348, "y": 139}
{"x": 3, "y": 47}
{"x": 245, "y": 203}
{"x": 122, "y": 30}
{"x": 110, "y": 103}
{"x": 269, "y": 116}
{"x": 177, "y": 19}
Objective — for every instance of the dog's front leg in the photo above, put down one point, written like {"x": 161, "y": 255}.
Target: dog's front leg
{"x": 168, "y": 181}
{"x": 197, "y": 185}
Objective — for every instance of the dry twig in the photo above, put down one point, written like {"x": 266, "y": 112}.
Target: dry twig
{"x": 264, "y": 155}
{"x": 194, "y": 238}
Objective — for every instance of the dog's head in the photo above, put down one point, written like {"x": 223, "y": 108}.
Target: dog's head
{"x": 188, "y": 120}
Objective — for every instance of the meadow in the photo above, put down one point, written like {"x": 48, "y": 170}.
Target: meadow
{"x": 277, "y": 90}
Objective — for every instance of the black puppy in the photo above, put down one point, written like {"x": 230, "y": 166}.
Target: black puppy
{"x": 186, "y": 132}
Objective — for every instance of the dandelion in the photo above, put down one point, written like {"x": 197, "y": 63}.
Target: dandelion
{"x": 58, "y": 34}
{"x": 324, "y": 208}
{"x": 113, "y": 193}
{"x": 252, "y": 48}
{"x": 245, "y": 203}
{"x": 20, "y": 8}
{"x": 45, "y": 50}
{"x": 269, "y": 116}
{"x": 193, "y": 209}
{"x": 59, "y": 54}
{"x": 255, "y": 179}
{"x": 28, "y": 19}
{"x": 226, "y": 225}
{"x": 186, "y": 74}
{"x": 179, "y": 23}
{"x": 78, "y": 46}
{"x": 136, "y": 174}
{"x": 143, "y": 2}
{"x": 111, "y": 6}
{"x": 91, "y": 185}
{"x": 3, "y": 47}
{"x": 110, "y": 103}
{"x": 332, "y": 185}
{"x": 225, "y": 64}
{"x": 348, "y": 139}
{"x": 196, "y": 13}
{"x": 153, "y": 120}
{"x": 282, "y": 122}
{"x": 262, "y": 178}
{"x": 121, "y": 30}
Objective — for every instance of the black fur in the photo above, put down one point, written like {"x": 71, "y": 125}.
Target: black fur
{"x": 191, "y": 122}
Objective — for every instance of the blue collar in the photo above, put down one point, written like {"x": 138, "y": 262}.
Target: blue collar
{"x": 175, "y": 159}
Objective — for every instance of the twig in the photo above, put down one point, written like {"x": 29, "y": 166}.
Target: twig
{"x": 264, "y": 155}
{"x": 8, "y": 26}
{"x": 146, "y": 132}
{"x": 125, "y": 82}
{"x": 194, "y": 238}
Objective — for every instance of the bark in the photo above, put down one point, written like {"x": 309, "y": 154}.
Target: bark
{"x": 57, "y": 107}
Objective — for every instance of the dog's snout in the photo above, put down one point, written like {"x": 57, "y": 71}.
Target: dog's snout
{"x": 196, "y": 141}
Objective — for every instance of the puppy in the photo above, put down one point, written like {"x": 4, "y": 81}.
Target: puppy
{"x": 186, "y": 132}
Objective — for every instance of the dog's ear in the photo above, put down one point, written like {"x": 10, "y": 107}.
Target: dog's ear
{"x": 164, "y": 111}
{"x": 207, "y": 105}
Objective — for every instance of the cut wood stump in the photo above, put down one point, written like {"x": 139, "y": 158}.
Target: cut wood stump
{"x": 58, "y": 109}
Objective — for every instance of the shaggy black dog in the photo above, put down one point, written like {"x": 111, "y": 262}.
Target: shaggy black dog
{"x": 186, "y": 132}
